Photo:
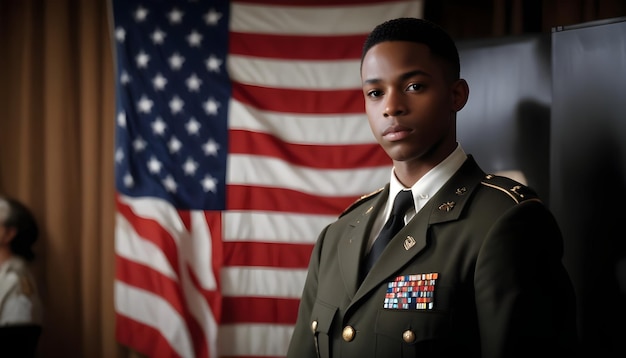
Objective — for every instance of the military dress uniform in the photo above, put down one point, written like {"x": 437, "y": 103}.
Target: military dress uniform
{"x": 21, "y": 311}
{"x": 19, "y": 299}
{"x": 477, "y": 272}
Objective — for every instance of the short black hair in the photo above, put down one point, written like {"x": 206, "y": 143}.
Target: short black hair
{"x": 27, "y": 230}
{"x": 419, "y": 31}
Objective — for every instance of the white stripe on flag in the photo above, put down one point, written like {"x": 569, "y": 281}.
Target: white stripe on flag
{"x": 337, "y": 20}
{"x": 131, "y": 246}
{"x": 154, "y": 311}
{"x": 157, "y": 209}
{"x": 275, "y": 173}
{"x": 198, "y": 251}
{"x": 260, "y": 340}
{"x": 344, "y": 129}
{"x": 314, "y": 75}
{"x": 258, "y": 226}
{"x": 262, "y": 282}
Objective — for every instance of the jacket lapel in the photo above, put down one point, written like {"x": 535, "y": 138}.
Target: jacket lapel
{"x": 407, "y": 243}
{"x": 446, "y": 205}
{"x": 450, "y": 201}
{"x": 352, "y": 247}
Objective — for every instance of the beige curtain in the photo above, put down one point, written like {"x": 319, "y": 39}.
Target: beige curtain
{"x": 56, "y": 146}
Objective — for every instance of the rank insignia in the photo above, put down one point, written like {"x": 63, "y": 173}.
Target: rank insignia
{"x": 447, "y": 206}
{"x": 409, "y": 242}
{"x": 411, "y": 292}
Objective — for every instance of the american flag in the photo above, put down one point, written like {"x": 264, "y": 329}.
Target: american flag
{"x": 240, "y": 134}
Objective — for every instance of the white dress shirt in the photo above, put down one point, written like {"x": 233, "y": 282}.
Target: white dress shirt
{"x": 422, "y": 190}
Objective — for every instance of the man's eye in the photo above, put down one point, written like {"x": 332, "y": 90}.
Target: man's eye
{"x": 415, "y": 87}
{"x": 373, "y": 93}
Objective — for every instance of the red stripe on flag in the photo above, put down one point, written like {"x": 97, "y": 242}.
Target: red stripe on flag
{"x": 143, "y": 338}
{"x": 143, "y": 277}
{"x": 243, "y": 197}
{"x": 151, "y": 230}
{"x": 267, "y": 254}
{"x": 292, "y": 100}
{"x": 213, "y": 220}
{"x": 307, "y": 155}
{"x": 296, "y": 47}
{"x": 260, "y": 310}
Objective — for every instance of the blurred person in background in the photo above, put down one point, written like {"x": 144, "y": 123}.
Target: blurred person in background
{"x": 20, "y": 304}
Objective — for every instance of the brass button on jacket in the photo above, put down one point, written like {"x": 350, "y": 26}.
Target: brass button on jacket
{"x": 314, "y": 326}
{"x": 408, "y": 336}
{"x": 348, "y": 333}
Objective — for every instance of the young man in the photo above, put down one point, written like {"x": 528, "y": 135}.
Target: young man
{"x": 475, "y": 272}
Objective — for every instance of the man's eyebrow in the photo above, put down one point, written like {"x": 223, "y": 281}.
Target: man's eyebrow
{"x": 414, "y": 74}
{"x": 404, "y": 76}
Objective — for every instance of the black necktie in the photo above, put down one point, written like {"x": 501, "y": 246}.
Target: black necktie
{"x": 402, "y": 203}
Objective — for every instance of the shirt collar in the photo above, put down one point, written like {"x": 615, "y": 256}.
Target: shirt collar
{"x": 431, "y": 182}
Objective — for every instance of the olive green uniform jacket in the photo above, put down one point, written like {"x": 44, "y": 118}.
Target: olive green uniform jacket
{"x": 483, "y": 258}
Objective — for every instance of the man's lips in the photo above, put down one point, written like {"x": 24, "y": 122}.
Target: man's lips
{"x": 395, "y": 133}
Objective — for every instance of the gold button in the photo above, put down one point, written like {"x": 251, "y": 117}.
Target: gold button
{"x": 408, "y": 336}
{"x": 348, "y": 333}
{"x": 314, "y": 326}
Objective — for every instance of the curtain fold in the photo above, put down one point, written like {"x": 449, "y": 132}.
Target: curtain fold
{"x": 56, "y": 155}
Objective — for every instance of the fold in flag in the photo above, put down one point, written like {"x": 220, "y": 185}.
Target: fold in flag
{"x": 240, "y": 134}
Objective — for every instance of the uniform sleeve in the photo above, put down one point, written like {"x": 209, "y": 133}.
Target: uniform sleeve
{"x": 524, "y": 296}
{"x": 302, "y": 344}
{"x": 18, "y": 304}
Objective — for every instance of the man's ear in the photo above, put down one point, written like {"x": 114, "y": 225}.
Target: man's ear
{"x": 460, "y": 93}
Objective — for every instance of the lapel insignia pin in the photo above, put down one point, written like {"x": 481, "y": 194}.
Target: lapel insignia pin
{"x": 409, "y": 242}
{"x": 515, "y": 190}
{"x": 461, "y": 191}
{"x": 447, "y": 206}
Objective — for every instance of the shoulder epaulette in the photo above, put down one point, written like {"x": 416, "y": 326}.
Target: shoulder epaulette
{"x": 26, "y": 286}
{"x": 515, "y": 190}
{"x": 360, "y": 200}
